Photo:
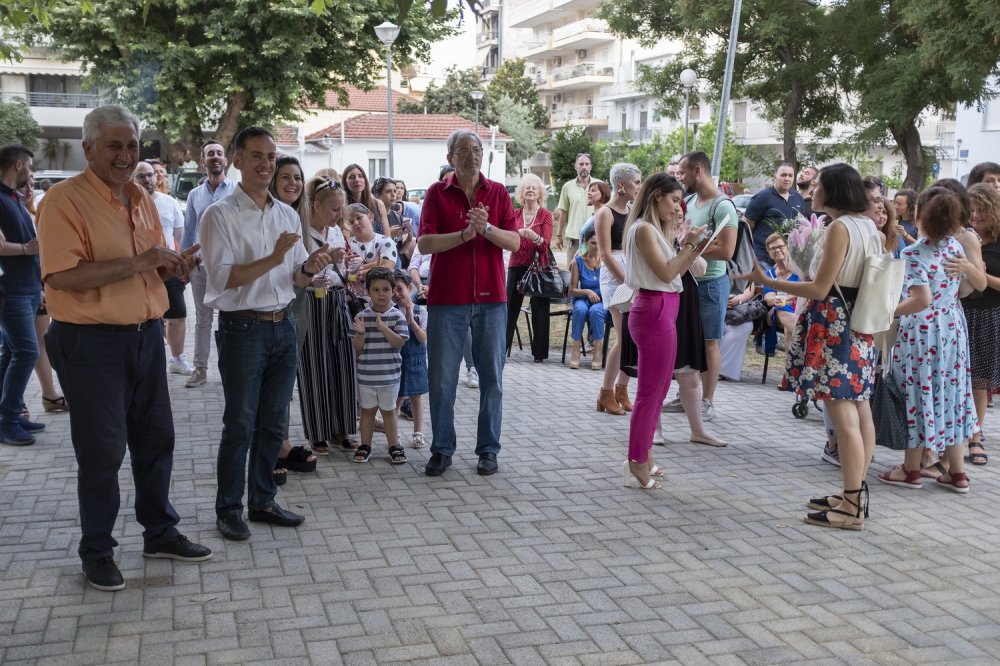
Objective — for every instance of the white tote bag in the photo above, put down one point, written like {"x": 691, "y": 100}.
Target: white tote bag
{"x": 878, "y": 294}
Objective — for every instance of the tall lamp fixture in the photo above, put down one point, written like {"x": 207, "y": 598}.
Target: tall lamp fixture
{"x": 688, "y": 78}
{"x": 477, "y": 97}
{"x": 387, "y": 33}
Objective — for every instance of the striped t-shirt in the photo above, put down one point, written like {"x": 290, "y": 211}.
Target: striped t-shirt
{"x": 379, "y": 362}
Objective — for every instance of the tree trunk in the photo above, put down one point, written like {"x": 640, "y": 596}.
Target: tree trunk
{"x": 908, "y": 140}
{"x": 229, "y": 125}
{"x": 790, "y": 125}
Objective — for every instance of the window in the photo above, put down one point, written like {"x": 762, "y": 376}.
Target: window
{"x": 624, "y": 120}
{"x": 377, "y": 167}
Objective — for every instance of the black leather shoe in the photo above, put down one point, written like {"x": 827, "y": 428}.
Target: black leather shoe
{"x": 276, "y": 515}
{"x": 177, "y": 547}
{"x": 232, "y": 527}
{"x": 103, "y": 574}
{"x": 487, "y": 464}
{"x": 438, "y": 463}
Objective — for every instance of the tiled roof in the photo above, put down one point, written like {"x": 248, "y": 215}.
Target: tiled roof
{"x": 427, "y": 127}
{"x": 365, "y": 100}
{"x": 286, "y": 135}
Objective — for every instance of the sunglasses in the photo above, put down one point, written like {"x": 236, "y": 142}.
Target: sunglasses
{"x": 327, "y": 183}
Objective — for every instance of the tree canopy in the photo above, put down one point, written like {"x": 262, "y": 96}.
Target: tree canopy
{"x": 184, "y": 65}
{"x": 510, "y": 80}
{"x": 452, "y": 97}
{"x": 17, "y": 125}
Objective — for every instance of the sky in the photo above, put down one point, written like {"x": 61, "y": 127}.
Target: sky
{"x": 458, "y": 50}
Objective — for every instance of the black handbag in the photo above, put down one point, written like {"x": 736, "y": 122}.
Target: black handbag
{"x": 753, "y": 309}
{"x": 543, "y": 279}
{"x": 888, "y": 406}
{"x": 629, "y": 359}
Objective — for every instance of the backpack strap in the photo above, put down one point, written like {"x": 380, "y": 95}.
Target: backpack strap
{"x": 714, "y": 205}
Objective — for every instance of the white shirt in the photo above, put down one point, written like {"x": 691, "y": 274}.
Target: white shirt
{"x": 638, "y": 273}
{"x": 422, "y": 264}
{"x": 235, "y": 231}
{"x": 334, "y": 238}
{"x": 171, "y": 216}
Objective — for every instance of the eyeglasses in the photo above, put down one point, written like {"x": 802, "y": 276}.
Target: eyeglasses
{"x": 327, "y": 183}
{"x": 587, "y": 155}
{"x": 465, "y": 152}
{"x": 776, "y": 248}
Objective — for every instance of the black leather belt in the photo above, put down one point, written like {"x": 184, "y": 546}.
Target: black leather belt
{"x": 141, "y": 326}
{"x": 260, "y": 315}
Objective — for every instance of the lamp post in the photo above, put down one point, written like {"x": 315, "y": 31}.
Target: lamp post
{"x": 387, "y": 33}
{"x": 688, "y": 78}
{"x": 477, "y": 97}
{"x": 727, "y": 84}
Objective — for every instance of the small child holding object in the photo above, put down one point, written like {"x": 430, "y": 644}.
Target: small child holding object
{"x": 380, "y": 331}
{"x": 413, "y": 381}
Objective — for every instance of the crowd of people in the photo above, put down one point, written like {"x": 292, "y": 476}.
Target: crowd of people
{"x": 348, "y": 290}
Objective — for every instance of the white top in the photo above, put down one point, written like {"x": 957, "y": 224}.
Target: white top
{"x": 171, "y": 216}
{"x": 638, "y": 274}
{"x": 422, "y": 263}
{"x": 235, "y": 231}
{"x": 334, "y": 238}
{"x": 864, "y": 242}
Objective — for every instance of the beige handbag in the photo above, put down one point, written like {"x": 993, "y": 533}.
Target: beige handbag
{"x": 621, "y": 300}
{"x": 878, "y": 294}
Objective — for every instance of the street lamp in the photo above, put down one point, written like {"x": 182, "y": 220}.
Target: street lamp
{"x": 477, "y": 97}
{"x": 387, "y": 33}
{"x": 688, "y": 78}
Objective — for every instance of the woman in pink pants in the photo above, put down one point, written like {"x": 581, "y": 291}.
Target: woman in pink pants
{"x": 653, "y": 267}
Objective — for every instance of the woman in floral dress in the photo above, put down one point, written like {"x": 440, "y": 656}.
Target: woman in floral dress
{"x": 828, "y": 361}
{"x": 931, "y": 356}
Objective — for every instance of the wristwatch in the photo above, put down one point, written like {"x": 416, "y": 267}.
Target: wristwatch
{"x": 489, "y": 228}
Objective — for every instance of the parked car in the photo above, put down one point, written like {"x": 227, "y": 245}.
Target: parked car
{"x": 53, "y": 176}
{"x": 186, "y": 181}
{"x": 741, "y": 201}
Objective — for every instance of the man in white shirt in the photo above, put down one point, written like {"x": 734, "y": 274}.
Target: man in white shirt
{"x": 215, "y": 188}
{"x": 172, "y": 222}
{"x": 253, "y": 253}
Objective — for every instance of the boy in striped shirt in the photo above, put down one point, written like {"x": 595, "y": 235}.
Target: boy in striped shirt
{"x": 380, "y": 330}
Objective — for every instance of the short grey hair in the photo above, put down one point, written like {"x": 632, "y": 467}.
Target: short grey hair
{"x": 621, "y": 172}
{"x": 103, "y": 117}
{"x": 458, "y": 134}
{"x": 528, "y": 179}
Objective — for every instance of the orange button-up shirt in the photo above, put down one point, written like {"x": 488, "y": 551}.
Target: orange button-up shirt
{"x": 81, "y": 220}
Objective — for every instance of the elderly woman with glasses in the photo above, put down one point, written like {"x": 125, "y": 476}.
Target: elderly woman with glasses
{"x": 782, "y": 304}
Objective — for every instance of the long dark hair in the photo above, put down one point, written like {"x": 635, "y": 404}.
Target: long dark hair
{"x": 273, "y": 187}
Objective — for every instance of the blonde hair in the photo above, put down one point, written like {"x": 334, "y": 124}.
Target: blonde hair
{"x": 525, "y": 181}
{"x": 316, "y": 191}
{"x": 644, "y": 207}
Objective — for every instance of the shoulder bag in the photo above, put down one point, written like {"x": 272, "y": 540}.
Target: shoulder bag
{"x": 543, "y": 279}
{"x": 878, "y": 293}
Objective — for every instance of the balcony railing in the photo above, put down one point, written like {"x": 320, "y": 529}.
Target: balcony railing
{"x": 579, "y": 27}
{"x": 579, "y": 112}
{"x": 582, "y": 69}
{"x": 488, "y": 36}
{"x": 59, "y": 100}
{"x": 631, "y": 136}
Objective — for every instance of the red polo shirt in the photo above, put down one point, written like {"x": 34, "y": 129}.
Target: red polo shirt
{"x": 472, "y": 272}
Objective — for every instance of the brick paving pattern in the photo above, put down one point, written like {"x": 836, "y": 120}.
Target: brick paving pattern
{"x": 551, "y": 561}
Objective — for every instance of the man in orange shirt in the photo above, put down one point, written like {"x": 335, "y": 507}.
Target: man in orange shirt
{"x": 104, "y": 261}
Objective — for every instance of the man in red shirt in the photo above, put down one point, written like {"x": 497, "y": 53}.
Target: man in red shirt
{"x": 466, "y": 223}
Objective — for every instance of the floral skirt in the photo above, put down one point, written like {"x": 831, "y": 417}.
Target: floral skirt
{"x": 827, "y": 360}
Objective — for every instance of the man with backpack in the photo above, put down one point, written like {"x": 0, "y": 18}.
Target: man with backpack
{"x": 709, "y": 207}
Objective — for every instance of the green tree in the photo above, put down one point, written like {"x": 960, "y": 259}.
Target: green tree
{"x": 184, "y": 66}
{"x": 902, "y": 57}
{"x": 565, "y": 145}
{"x": 17, "y": 125}
{"x": 515, "y": 121}
{"x": 783, "y": 63}
{"x": 453, "y": 97}
{"x": 511, "y": 81}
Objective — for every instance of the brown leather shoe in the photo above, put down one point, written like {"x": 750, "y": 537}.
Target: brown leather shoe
{"x": 621, "y": 395}
{"x": 607, "y": 403}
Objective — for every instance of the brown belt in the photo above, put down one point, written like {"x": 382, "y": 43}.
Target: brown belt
{"x": 275, "y": 315}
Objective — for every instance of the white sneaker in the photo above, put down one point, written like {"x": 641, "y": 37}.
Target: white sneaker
{"x": 674, "y": 406}
{"x": 472, "y": 378}
{"x": 707, "y": 411}
{"x": 197, "y": 378}
{"x": 180, "y": 365}
{"x": 418, "y": 440}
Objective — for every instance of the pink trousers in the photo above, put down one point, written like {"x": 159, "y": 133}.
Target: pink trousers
{"x": 652, "y": 324}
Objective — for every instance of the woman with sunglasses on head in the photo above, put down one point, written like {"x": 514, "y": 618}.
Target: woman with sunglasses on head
{"x": 326, "y": 373}
{"x": 358, "y": 190}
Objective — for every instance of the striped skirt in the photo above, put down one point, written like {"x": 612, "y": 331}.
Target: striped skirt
{"x": 327, "y": 386}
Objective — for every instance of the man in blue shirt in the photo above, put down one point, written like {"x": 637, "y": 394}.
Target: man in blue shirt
{"x": 771, "y": 208}
{"x": 21, "y": 285}
{"x": 215, "y": 188}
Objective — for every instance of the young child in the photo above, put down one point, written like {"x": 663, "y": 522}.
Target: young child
{"x": 379, "y": 332}
{"x": 413, "y": 381}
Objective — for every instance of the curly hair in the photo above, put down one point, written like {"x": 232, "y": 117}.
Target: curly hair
{"x": 986, "y": 205}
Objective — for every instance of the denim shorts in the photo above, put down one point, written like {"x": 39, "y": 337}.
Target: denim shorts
{"x": 714, "y": 295}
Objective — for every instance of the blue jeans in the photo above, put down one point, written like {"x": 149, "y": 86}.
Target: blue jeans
{"x": 18, "y": 354}
{"x": 447, "y": 327}
{"x": 590, "y": 313}
{"x": 257, "y": 362}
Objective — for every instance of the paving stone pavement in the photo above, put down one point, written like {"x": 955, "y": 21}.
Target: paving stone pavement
{"x": 551, "y": 561}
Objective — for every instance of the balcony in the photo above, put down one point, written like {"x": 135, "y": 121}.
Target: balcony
{"x": 57, "y": 109}
{"x": 632, "y": 137}
{"x": 536, "y": 13}
{"x": 489, "y": 7}
{"x": 576, "y": 77}
{"x": 564, "y": 40}
{"x": 488, "y": 38}
{"x": 586, "y": 115}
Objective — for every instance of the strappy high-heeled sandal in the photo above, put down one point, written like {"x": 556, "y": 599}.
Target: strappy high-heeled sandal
{"x": 822, "y": 518}
{"x": 628, "y": 477}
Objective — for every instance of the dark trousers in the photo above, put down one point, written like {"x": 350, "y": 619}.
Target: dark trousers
{"x": 117, "y": 384}
{"x": 539, "y": 314}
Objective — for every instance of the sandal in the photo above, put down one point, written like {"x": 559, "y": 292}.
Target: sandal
{"x": 823, "y": 503}
{"x": 952, "y": 484}
{"x": 299, "y": 459}
{"x": 280, "y": 475}
{"x": 319, "y": 448}
{"x": 911, "y": 478}
{"x": 397, "y": 456}
{"x": 55, "y": 404}
{"x": 348, "y": 444}
{"x": 822, "y": 518}
{"x": 627, "y": 476}
{"x": 977, "y": 458}
{"x": 933, "y": 471}
{"x": 362, "y": 453}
